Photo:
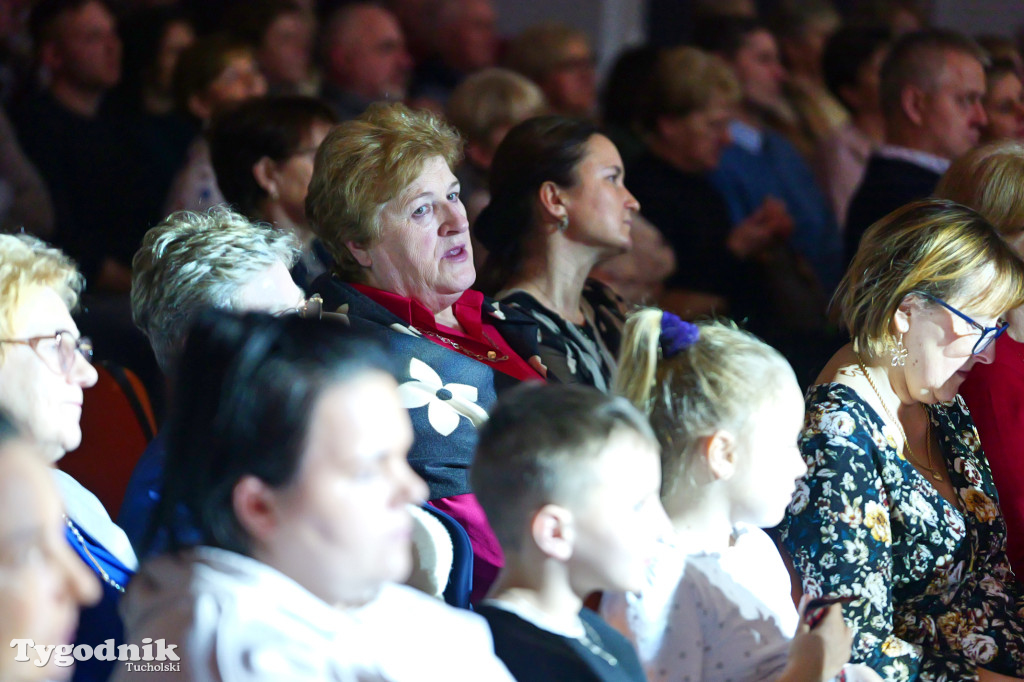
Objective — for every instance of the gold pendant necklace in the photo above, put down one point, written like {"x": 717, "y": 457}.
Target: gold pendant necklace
{"x": 906, "y": 442}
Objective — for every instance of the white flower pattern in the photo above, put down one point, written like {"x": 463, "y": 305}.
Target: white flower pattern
{"x": 446, "y": 403}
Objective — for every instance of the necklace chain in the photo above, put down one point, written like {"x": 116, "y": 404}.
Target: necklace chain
{"x": 906, "y": 442}
{"x": 492, "y": 354}
{"x": 103, "y": 574}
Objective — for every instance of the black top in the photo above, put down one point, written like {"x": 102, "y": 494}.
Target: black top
{"x": 887, "y": 185}
{"x": 104, "y": 195}
{"x": 535, "y": 655}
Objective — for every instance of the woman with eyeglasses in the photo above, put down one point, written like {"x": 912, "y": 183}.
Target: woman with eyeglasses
{"x": 898, "y": 509}
{"x": 44, "y": 369}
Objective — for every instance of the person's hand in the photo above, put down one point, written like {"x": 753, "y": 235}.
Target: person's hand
{"x": 777, "y": 217}
{"x": 769, "y": 224}
{"x": 819, "y": 654}
{"x": 989, "y": 676}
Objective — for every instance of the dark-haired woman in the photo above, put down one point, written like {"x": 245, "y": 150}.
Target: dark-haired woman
{"x": 287, "y": 453}
{"x": 559, "y": 206}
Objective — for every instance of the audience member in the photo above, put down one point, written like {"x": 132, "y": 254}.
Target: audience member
{"x": 67, "y": 129}
{"x": 187, "y": 263}
{"x": 559, "y": 206}
{"x": 215, "y": 74}
{"x": 364, "y": 58}
{"x": 154, "y": 39}
{"x": 483, "y": 108}
{"x": 281, "y": 34}
{"x": 990, "y": 180}
{"x": 898, "y": 510}
{"x": 899, "y": 16}
{"x": 42, "y": 582}
{"x": 624, "y": 99}
{"x": 1002, "y": 48}
{"x": 730, "y": 465}
{"x": 44, "y": 369}
{"x": 639, "y": 275}
{"x": 287, "y": 453}
{"x": 1003, "y": 102}
{"x": 852, "y": 60}
{"x": 385, "y": 204}
{"x": 464, "y": 41}
{"x": 24, "y": 200}
{"x": 574, "y": 501}
{"x": 760, "y": 163}
{"x": 262, "y": 153}
{"x": 932, "y": 85}
{"x": 802, "y": 28}
{"x": 558, "y": 58}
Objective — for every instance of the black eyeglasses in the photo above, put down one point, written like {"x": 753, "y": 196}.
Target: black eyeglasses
{"x": 57, "y": 351}
{"x": 988, "y": 334}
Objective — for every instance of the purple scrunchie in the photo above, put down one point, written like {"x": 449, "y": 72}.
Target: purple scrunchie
{"x": 676, "y": 334}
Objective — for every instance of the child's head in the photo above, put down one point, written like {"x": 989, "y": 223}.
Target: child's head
{"x": 572, "y": 473}
{"x": 727, "y": 410}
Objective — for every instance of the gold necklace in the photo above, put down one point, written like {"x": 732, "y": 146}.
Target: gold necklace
{"x": 906, "y": 442}
{"x": 96, "y": 564}
{"x": 492, "y": 354}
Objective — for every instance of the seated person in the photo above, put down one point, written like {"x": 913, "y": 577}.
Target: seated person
{"x": 287, "y": 453}
{"x": 45, "y": 366}
{"x": 189, "y": 262}
{"x": 573, "y": 499}
{"x": 42, "y": 582}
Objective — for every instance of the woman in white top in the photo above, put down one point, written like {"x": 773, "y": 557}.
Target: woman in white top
{"x": 285, "y": 502}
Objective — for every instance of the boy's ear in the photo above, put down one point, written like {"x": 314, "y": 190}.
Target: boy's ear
{"x": 253, "y": 502}
{"x": 720, "y": 453}
{"x": 552, "y": 530}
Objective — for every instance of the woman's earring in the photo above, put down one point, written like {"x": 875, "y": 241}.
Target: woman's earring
{"x": 898, "y": 352}
{"x": 563, "y": 223}
{"x": 274, "y": 196}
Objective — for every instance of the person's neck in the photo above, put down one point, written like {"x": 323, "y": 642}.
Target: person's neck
{"x": 440, "y": 306}
{"x": 871, "y": 124}
{"x": 275, "y": 214}
{"x": 912, "y": 137}
{"x": 82, "y": 102}
{"x": 546, "y": 592}
{"x": 555, "y": 277}
{"x": 888, "y": 380}
{"x": 704, "y": 521}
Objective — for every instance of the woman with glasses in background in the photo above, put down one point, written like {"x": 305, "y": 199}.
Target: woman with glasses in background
{"x": 44, "y": 369}
{"x": 898, "y": 510}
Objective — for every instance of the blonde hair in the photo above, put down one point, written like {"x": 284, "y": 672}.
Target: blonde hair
{"x": 365, "y": 163}
{"x": 936, "y": 247}
{"x": 540, "y": 49}
{"x": 687, "y": 80}
{"x": 703, "y": 388}
{"x": 989, "y": 179}
{"x": 27, "y": 263}
{"x": 490, "y": 99}
{"x": 193, "y": 261}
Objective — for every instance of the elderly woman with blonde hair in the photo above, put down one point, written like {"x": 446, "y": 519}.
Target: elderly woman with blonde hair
{"x": 990, "y": 180}
{"x": 897, "y": 514}
{"x": 44, "y": 370}
{"x": 386, "y": 205}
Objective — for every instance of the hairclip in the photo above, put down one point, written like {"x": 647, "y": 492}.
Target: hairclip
{"x": 676, "y": 334}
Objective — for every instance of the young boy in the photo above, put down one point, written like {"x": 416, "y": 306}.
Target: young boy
{"x": 569, "y": 479}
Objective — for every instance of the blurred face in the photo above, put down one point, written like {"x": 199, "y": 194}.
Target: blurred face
{"x": 474, "y": 39}
{"x": 695, "y": 142}
{"x": 87, "y": 51}
{"x": 864, "y": 94}
{"x": 769, "y": 461}
{"x": 177, "y": 38}
{"x": 45, "y": 404}
{"x": 571, "y": 86}
{"x": 368, "y": 56}
{"x": 1004, "y": 106}
{"x": 42, "y": 581}
{"x": 424, "y": 250}
{"x": 270, "y": 291}
{"x": 759, "y": 70}
{"x": 285, "y": 53}
{"x": 342, "y": 528}
{"x": 619, "y": 519}
{"x": 291, "y": 177}
{"x": 939, "y": 345}
{"x": 953, "y": 114}
{"x": 240, "y": 80}
{"x": 601, "y": 209}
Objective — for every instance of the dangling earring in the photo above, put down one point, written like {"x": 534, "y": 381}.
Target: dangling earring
{"x": 898, "y": 352}
{"x": 274, "y": 196}
{"x": 563, "y": 223}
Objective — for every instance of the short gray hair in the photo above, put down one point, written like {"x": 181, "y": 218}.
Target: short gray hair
{"x": 192, "y": 261}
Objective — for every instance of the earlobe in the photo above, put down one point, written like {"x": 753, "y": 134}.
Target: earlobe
{"x": 253, "y": 504}
{"x": 361, "y": 254}
{"x": 552, "y": 530}
{"x": 901, "y": 318}
{"x": 720, "y": 450}
{"x": 263, "y": 173}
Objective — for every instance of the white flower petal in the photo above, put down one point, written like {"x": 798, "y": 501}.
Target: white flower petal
{"x": 463, "y": 391}
{"x": 442, "y": 417}
{"x": 415, "y": 394}
{"x": 424, "y": 372}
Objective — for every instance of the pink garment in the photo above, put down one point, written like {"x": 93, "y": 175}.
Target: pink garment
{"x": 841, "y": 160}
{"x": 487, "y": 555}
{"x": 995, "y": 396}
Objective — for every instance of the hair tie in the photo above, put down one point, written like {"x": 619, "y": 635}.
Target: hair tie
{"x": 676, "y": 334}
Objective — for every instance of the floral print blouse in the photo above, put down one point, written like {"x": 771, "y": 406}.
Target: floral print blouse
{"x": 934, "y": 594}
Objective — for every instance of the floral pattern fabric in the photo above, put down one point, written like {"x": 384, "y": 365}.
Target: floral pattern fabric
{"x": 935, "y": 598}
